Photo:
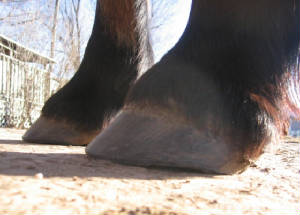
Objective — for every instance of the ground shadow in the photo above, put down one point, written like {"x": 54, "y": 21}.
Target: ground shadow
{"x": 17, "y": 142}
{"x": 55, "y": 164}
{"x": 13, "y": 142}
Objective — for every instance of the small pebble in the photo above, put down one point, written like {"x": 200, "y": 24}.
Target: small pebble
{"x": 75, "y": 178}
{"x": 39, "y": 176}
{"x": 213, "y": 201}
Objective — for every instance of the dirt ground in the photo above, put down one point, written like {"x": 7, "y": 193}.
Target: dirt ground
{"x": 48, "y": 179}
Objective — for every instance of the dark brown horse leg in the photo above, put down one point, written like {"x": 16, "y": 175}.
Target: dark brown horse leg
{"x": 214, "y": 101}
{"x": 78, "y": 112}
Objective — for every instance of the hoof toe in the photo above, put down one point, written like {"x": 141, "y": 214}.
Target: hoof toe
{"x": 49, "y": 131}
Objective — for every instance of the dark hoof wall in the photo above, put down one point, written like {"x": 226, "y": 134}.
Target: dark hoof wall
{"x": 49, "y": 131}
{"x": 140, "y": 140}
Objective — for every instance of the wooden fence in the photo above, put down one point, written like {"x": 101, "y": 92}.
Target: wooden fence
{"x": 22, "y": 92}
{"x": 24, "y": 84}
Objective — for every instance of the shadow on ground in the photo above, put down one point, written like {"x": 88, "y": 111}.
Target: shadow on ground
{"x": 62, "y": 161}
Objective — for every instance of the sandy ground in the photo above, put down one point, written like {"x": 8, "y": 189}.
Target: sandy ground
{"x": 48, "y": 179}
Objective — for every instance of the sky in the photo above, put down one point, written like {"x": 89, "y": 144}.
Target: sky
{"x": 37, "y": 36}
{"x": 169, "y": 19}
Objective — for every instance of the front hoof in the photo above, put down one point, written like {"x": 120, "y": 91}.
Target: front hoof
{"x": 50, "y": 131}
{"x": 145, "y": 140}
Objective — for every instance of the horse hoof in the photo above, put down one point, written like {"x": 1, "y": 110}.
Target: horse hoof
{"x": 151, "y": 141}
{"x": 50, "y": 131}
